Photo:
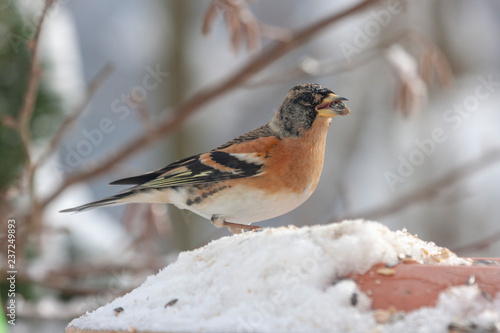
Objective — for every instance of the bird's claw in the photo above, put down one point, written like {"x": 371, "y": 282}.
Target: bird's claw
{"x": 237, "y": 228}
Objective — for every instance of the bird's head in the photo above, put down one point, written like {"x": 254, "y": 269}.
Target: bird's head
{"x": 303, "y": 105}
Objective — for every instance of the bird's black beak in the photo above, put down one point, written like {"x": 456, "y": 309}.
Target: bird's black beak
{"x": 332, "y": 106}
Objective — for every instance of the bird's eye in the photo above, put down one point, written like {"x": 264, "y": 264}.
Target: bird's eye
{"x": 307, "y": 98}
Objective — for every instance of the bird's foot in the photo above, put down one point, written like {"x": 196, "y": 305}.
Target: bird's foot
{"x": 237, "y": 228}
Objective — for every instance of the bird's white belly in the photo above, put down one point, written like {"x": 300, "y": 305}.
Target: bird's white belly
{"x": 239, "y": 205}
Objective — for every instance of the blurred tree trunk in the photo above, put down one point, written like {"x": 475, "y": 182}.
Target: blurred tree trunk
{"x": 178, "y": 13}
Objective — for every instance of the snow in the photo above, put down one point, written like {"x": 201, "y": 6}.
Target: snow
{"x": 287, "y": 279}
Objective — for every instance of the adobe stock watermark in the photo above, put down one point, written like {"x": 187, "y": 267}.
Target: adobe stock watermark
{"x": 121, "y": 108}
{"x": 11, "y": 272}
{"x": 453, "y": 118}
{"x": 363, "y": 36}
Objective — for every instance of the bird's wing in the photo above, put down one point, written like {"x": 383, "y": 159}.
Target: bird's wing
{"x": 242, "y": 157}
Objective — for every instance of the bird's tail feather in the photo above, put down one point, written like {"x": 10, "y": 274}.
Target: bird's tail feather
{"x": 109, "y": 201}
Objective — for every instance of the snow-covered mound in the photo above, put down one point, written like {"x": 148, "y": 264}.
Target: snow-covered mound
{"x": 281, "y": 280}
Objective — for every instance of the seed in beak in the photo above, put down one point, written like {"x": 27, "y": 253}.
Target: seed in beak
{"x": 337, "y": 105}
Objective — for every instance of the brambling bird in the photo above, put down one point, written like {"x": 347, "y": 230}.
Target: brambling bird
{"x": 262, "y": 174}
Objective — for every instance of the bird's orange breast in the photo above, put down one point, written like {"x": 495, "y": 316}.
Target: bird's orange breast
{"x": 293, "y": 164}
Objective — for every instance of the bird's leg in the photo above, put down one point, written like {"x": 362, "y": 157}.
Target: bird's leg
{"x": 217, "y": 221}
{"x": 235, "y": 228}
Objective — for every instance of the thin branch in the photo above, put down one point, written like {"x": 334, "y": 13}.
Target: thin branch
{"x": 431, "y": 190}
{"x": 70, "y": 288}
{"x": 26, "y": 114}
{"x": 92, "y": 87}
{"x": 203, "y": 97}
{"x": 30, "y": 96}
{"x": 66, "y": 280}
{"x": 328, "y": 68}
{"x": 82, "y": 270}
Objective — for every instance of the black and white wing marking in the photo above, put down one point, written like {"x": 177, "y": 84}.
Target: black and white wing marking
{"x": 209, "y": 167}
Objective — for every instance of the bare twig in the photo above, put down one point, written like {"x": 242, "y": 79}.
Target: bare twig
{"x": 210, "y": 15}
{"x": 26, "y": 114}
{"x": 66, "y": 280}
{"x": 408, "y": 97}
{"x": 28, "y": 106}
{"x": 70, "y": 288}
{"x": 324, "y": 68}
{"x": 431, "y": 190}
{"x": 328, "y": 68}
{"x": 203, "y": 97}
{"x": 87, "y": 269}
{"x": 92, "y": 87}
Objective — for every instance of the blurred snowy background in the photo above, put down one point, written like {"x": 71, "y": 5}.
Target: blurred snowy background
{"x": 419, "y": 151}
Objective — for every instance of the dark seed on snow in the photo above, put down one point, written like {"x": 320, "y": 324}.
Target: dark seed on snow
{"x": 118, "y": 310}
{"x": 354, "y": 299}
{"x": 172, "y": 302}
